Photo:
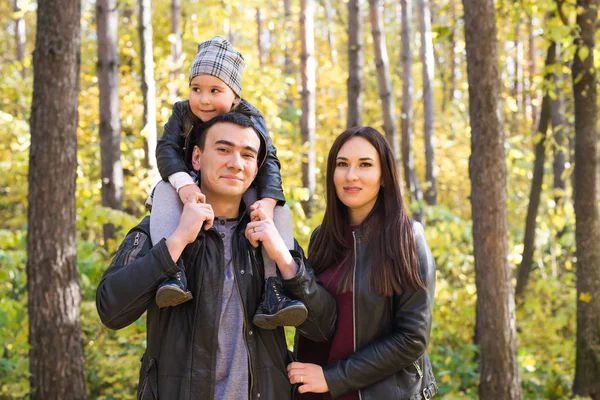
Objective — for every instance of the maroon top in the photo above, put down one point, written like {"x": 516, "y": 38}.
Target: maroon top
{"x": 342, "y": 344}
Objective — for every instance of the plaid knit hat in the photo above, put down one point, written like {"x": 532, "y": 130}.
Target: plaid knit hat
{"x": 217, "y": 57}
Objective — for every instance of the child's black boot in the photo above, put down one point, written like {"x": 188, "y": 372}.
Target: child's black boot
{"x": 174, "y": 290}
{"x": 276, "y": 309}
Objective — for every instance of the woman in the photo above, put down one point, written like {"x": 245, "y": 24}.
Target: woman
{"x": 376, "y": 263}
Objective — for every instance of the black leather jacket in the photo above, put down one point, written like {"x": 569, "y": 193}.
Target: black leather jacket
{"x": 391, "y": 335}
{"x": 179, "y": 362}
{"x": 170, "y": 150}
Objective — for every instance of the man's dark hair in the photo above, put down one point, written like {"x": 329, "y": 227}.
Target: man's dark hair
{"x": 197, "y": 136}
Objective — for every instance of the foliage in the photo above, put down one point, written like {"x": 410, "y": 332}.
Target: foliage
{"x": 545, "y": 317}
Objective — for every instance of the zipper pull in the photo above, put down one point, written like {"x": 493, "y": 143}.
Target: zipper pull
{"x": 136, "y": 241}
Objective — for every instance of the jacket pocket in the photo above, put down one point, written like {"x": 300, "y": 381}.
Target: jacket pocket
{"x": 148, "y": 387}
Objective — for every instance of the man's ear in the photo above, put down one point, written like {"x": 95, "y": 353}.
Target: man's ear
{"x": 196, "y": 156}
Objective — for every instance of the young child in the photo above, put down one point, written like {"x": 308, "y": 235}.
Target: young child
{"x": 215, "y": 87}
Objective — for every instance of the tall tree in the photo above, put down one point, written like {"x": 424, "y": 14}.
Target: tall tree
{"x": 110, "y": 122}
{"x": 408, "y": 157}
{"x": 495, "y": 309}
{"x": 452, "y": 51}
{"x": 530, "y": 93}
{"x": 308, "y": 121}
{"x": 587, "y": 232}
{"x": 559, "y": 122}
{"x": 356, "y": 62}
{"x": 176, "y": 56}
{"x": 330, "y": 31}
{"x": 383, "y": 77}
{"x": 289, "y": 44}
{"x": 428, "y": 129}
{"x": 20, "y": 36}
{"x": 525, "y": 266}
{"x": 56, "y": 358}
{"x": 259, "y": 37}
{"x": 148, "y": 82}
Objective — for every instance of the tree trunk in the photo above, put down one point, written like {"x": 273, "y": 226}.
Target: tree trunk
{"x": 452, "y": 54}
{"x": 176, "y": 57}
{"x": 428, "y": 128}
{"x": 110, "y": 124}
{"x": 557, "y": 110}
{"x": 20, "y": 37}
{"x": 289, "y": 44}
{"x": 356, "y": 63}
{"x": 308, "y": 121}
{"x": 531, "y": 55}
{"x": 587, "y": 233}
{"x": 259, "y": 37}
{"x": 495, "y": 320}
{"x": 536, "y": 183}
{"x": 56, "y": 357}
{"x": 148, "y": 83}
{"x": 330, "y": 31}
{"x": 517, "y": 89}
{"x": 383, "y": 77}
{"x": 408, "y": 158}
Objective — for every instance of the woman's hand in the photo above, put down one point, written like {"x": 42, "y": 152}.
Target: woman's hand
{"x": 309, "y": 376}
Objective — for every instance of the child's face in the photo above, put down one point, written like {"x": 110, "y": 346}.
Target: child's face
{"x": 210, "y": 96}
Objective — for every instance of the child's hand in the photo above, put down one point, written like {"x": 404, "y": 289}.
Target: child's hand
{"x": 191, "y": 194}
{"x": 267, "y": 204}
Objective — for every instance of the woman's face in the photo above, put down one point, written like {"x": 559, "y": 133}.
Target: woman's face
{"x": 357, "y": 177}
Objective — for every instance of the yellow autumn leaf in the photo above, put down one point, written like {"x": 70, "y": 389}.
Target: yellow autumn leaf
{"x": 585, "y": 297}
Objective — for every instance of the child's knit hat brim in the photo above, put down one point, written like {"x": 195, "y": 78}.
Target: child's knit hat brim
{"x": 217, "y": 57}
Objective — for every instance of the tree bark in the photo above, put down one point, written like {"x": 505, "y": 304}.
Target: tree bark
{"x": 383, "y": 77}
{"x": 308, "y": 120}
{"x": 110, "y": 124}
{"x": 587, "y": 232}
{"x": 175, "y": 39}
{"x": 356, "y": 62}
{"x": 531, "y": 55}
{"x": 495, "y": 319}
{"x": 20, "y": 37}
{"x": 259, "y": 37}
{"x": 452, "y": 54}
{"x": 428, "y": 127}
{"x": 408, "y": 158}
{"x": 330, "y": 31}
{"x": 56, "y": 357}
{"x": 148, "y": 82}
{"x": 525, "y": 266}
{"x": 517, "y": 89}
{"x": 559, "y": 126}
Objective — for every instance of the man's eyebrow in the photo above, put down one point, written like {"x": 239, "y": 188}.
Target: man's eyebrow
{"x": 231, "y": 144}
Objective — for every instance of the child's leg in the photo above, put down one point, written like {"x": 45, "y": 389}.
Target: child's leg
{"x": 166, "y": 211}
{"x": 276, "y": 309}
{"x": 282, "y": 218}
{"x": 164, "y": 218}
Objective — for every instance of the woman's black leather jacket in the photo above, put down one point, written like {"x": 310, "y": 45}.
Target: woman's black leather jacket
{"x": 391, "y": 335}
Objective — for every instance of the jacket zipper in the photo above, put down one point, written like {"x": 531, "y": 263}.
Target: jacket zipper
{"x": 237, "y": 285}
{"x": 418, "y": 369}
{"x": 354, "y": 299}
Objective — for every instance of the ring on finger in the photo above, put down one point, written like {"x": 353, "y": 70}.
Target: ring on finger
{"x": 301, "y": 378}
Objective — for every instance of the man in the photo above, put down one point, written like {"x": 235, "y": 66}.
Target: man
{"x": 208, "y": 348}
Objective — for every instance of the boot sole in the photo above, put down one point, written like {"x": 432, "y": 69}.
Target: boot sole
{"x": 289, "y": 316}
{"x": 171, "y": 297}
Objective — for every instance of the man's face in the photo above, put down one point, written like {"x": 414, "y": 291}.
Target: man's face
{"x": 228, "y": 164}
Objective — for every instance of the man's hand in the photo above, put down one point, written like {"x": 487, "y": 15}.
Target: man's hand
{"x": 193, "y": 217}
{"x": 191, "y": 194}
{"x": 262, "y": 229}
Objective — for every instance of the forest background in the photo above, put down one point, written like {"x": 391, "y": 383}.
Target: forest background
{"x": 268, "y": 35}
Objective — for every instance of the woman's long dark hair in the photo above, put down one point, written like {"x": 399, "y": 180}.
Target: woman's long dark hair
{"x": 386, "y": 231}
